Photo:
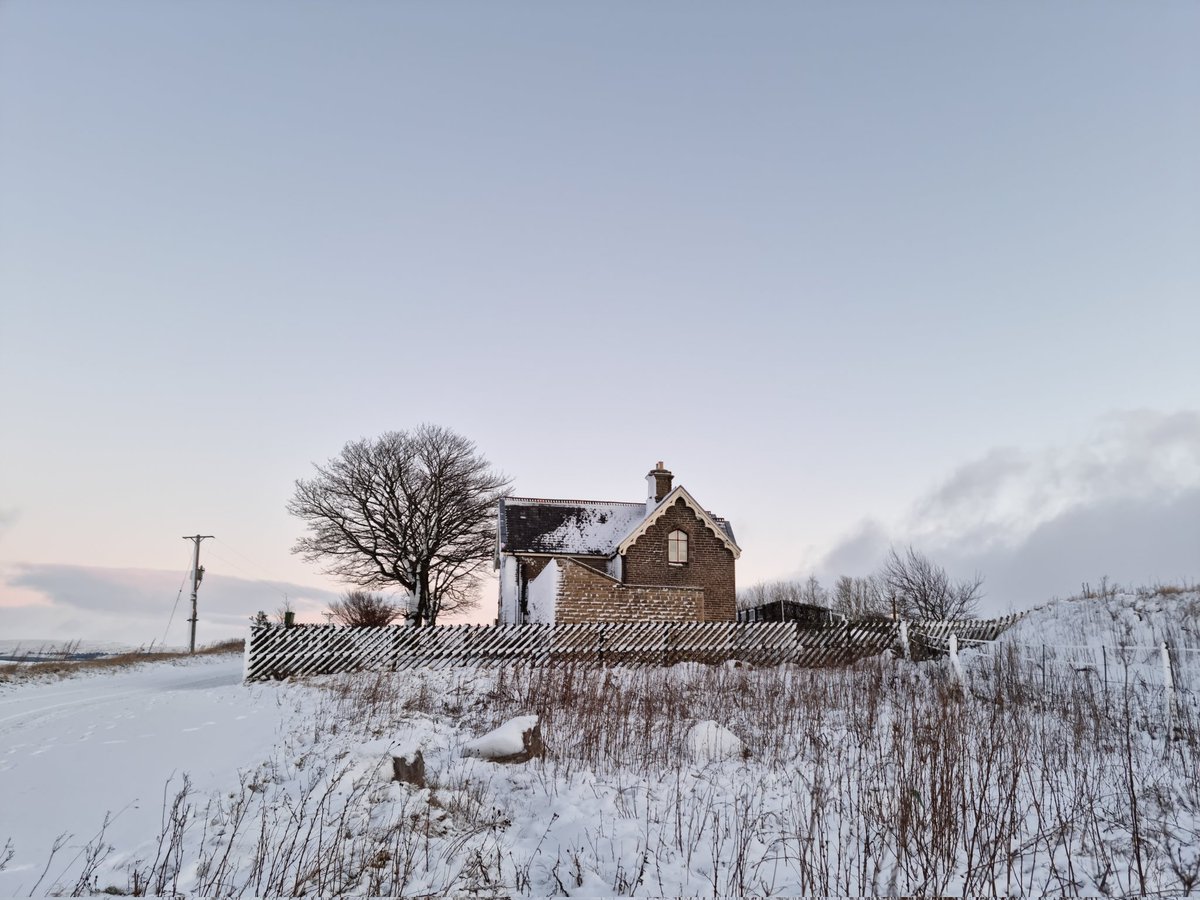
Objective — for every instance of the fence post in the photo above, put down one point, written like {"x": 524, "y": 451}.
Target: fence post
{"x": 666, "y": 643}
{"x": 904, "y": 651}
{"x": 1104, "y": 656}
{"x": 600, "y": 643}
{"x": 1168, "y": 677}
{"x": 954, "y": 658}
{"x": 1168, "y": 687}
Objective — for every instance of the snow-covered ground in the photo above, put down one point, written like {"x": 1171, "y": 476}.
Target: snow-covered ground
{"x": 72, "y": 750}
{"x": 890, "y": 777}
{"x": 1116, "y": 637}
{"x": 1137, "y": 618}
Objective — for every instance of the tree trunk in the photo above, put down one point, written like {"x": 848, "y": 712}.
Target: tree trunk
{"x": 424, "y": 613}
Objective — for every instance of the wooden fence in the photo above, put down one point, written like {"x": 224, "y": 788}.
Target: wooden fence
{"x": 274, "y": 651}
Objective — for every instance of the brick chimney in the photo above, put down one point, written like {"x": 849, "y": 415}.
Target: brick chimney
{"x": 658, "y": 485}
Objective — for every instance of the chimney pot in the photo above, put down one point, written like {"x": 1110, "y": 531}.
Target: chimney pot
{"x": 658, "y": 485}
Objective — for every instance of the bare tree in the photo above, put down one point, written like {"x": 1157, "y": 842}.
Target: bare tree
{"x": 860, "y": 598}
{"x": 923, "y": 590}
{"x": 363, "y": 608}
{"x": 754, "y": 596}
{"x": 766, "y": 593}
{"x": 777, "y": 594}
{"x": 812, "y": 592}
{"x": 415, "y": 509}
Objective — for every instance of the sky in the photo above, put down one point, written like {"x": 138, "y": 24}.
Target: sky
{"x": 861, "y": 275}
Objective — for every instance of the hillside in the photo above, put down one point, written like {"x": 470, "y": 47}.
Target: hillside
{"x": 1144, "y": 618}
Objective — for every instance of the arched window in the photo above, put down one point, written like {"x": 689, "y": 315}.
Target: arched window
{"x": 677, "y": 548}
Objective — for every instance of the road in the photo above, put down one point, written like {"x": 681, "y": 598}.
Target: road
{"x": 73, "y": 750}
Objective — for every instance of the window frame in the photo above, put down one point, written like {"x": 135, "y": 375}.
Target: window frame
{"x": 677, "y": 541}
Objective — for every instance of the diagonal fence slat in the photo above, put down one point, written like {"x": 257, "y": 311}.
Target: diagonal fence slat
{"x": 279, "y": 652}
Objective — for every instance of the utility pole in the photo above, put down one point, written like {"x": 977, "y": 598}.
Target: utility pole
{"x": 197, "y": 574}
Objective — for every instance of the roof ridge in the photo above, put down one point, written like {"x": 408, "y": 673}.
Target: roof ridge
{"x": 567, "y": 502}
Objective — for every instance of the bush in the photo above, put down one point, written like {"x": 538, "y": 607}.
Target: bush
{"x": 924, "y": 590}
{"x": 362, "y": 608}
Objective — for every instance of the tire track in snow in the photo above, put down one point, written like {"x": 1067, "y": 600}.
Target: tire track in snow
{"x": 93, "y": 697}
{"x": 57, "y": 693}
{"x": 91, "y": 700}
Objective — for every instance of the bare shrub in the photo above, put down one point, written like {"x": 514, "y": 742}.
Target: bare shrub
{"x": 923, "y": 589}
{"x": 365, "y": 609}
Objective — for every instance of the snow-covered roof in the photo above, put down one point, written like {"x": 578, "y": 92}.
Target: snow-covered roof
{"x": 580, "y": 527}
{"x": 576, "y": 527}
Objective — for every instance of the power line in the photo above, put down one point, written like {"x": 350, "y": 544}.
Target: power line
{"x": 229, "y": 562}
{"x": 175, "y": 606}
{"x": 256, "y": 576}
{"x": 260, "y": 571}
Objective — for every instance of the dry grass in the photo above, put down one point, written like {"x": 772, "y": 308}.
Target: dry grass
{"x": 1105, "y": 589}
{"x": 1169, "y": 590}
{"x": 881, "y": 778}
{"x": 65, "y": 668}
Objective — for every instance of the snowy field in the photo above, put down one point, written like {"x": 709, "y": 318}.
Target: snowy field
{"x": 74, "y": 750}
{"x": 888, "y": 778}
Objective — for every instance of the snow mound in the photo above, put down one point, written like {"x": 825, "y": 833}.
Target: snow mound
{"x": 707, "y": 741}
{"x": 1140, "y": 619}
{"x": 514, "y": 738}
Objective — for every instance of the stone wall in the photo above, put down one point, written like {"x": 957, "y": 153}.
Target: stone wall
{"x": 585, "y": 595}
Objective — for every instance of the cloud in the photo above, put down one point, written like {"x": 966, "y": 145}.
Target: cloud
{"x": 135, "y": 605}
{"x": 859, "y": 552}
{"x": 1124, "y": 502}
{"x": 1134, "y": 541}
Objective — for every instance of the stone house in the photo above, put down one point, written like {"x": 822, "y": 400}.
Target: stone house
{"x": 666, "y": 559}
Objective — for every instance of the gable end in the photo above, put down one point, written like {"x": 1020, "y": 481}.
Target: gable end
{"x": 701, "y": 513}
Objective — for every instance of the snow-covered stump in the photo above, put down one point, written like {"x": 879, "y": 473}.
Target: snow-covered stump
{"x": 409, "y": 768}
{"x": 517, "y": 740}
